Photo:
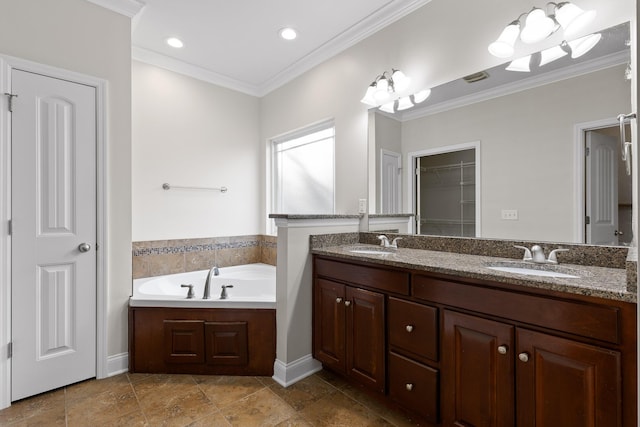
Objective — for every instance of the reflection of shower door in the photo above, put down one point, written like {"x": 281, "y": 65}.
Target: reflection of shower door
{"x": 446, "y": 193}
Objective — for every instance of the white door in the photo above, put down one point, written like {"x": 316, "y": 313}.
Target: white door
{"x": 602, "y": 189}
{"x": 53, "y": 284}
{"x": 390, "y": 188}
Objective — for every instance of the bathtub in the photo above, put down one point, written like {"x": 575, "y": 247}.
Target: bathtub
{"x": 254, "y": 286}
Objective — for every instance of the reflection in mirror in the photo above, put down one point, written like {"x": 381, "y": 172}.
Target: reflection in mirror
{"x": 547, "y": 171}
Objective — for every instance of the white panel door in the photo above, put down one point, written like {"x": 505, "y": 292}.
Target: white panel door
{"x": 391, "y": 187}
{"x": 602, "y": 189}
{"x": 53, "y": 284}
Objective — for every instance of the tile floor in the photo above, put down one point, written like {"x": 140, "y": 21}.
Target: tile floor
{"x": 322, "y": 399}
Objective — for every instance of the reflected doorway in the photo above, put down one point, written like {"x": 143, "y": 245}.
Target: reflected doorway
{"x": 447, "y": 192}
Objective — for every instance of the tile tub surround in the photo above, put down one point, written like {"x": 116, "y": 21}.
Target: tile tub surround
{"x": 468, "y": 258}
{"x": 160, "y": 257}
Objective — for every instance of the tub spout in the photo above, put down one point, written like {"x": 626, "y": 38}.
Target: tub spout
{"x": 207, "y": 283}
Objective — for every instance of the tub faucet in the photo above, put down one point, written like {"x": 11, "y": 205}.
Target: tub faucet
{"x": 207, "y": 283}
{"x": 223, "y": 294}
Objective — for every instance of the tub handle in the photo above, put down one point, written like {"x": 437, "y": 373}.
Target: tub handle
{"x": 190, "y": 293}
{"x": 224, "y": 295}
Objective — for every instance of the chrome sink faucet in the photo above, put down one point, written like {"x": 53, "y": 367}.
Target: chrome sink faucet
{"x": 384, "y": 242}
{"x": 536, "y": 254}
{"x": 207, "y": 283}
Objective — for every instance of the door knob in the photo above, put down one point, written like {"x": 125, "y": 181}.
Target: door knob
{"x": 84, "y": 247}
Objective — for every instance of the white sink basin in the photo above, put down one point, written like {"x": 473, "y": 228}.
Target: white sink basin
{"x": 541, "y": 270}
{"x": 371, "y": 251}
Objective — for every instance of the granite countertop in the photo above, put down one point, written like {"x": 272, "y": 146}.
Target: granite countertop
{"x": 602, "y": 282}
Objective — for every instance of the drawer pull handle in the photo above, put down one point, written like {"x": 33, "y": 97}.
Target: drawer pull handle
{"x": 347, "y": 303}
{"x": 409, "y": 328}
{"x": 338, "y": 300}
{"x": 502, "y": 349}
{"x": 524, "y": 357}
{"x": 409, "y": 386}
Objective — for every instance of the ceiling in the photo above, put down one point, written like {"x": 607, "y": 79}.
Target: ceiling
{"x": 236, "y": 43}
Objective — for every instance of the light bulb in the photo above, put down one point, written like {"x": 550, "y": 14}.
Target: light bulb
{"x": 584, "y": 44}
{"x": 503, "y": 46}
{"x": 520, "y": 64}
{"x": 418, "y": 97}
{"x": 537, "y": 26}
{"x": 572, "y": 19}
{"x": 404, "y": 103}
{"x": 551, "y": 54}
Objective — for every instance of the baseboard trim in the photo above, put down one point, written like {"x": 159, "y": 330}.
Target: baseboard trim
{"x": 117, "y": 364}
{"x": 287, "y": 374}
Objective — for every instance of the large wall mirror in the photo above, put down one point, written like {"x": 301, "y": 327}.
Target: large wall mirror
{"x": 511, "y": 155}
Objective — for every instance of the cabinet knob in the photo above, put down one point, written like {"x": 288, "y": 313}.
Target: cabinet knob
{"x": 502, "y": 349}
{"x": 347, "y": 303}
{"x": 524, "y": 357}
{"x": 409, "y": 328}
{"x": 409, "y": 386}
{"x": 338, "y": 300}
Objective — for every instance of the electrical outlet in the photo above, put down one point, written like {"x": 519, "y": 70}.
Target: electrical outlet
{"x": 362, "y": 206}
{"x": 510, "y": 214}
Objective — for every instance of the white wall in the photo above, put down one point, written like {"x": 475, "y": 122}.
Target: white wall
{"x": 85, "y": 38}
{"x": 439, "y": 42}
{"x": 191, "y": 133}
{"x": 527, "y": 148}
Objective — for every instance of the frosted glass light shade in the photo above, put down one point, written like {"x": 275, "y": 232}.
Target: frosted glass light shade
{"x": 368, "y": 96}
{"x": 572, "y": 19}
{"x": 381, "y": 93}
{"x": 400, "y": 80}
{"x": 551, "y": 54}
{"x": 537, "y": 26}
{"x": 520, "y": 64}
{"x": 418, "y": 97}
{"x": 388, "y": 107}
{"x": 503, "y": 46}
{"x": 404, "y": 103}
{"x": 584, "y": 44}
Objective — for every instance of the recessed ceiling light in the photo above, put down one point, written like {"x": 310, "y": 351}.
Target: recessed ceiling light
{"x": 288, "y": 33}
{"x": 175, "y": 42}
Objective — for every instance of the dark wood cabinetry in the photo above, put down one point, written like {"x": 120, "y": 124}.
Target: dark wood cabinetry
{"x": 465, "y": 352}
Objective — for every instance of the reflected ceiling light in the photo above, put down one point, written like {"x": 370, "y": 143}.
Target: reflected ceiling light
{"x": 388, "y": 107}
{"x": 404, "y": 103}
{"x": 551, "y": 54}
{"x": 288, "y": 33}
{"x": 584, "y": 44}
{"x": 175, "y": 42}
{"x": 537, "y": 26}
{"x": 418, "y": 97}
{"x": 503, "y": 47}
{"x": 572, "y": 19}
{"x": 520, "y": 64}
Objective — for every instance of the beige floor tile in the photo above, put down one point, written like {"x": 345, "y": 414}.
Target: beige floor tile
{"x": 263, "y": 408}
{"x": 214, "y": 420}
{"x": 160, "y": 384}
{"x": 304, "y": 392}
{"x": 224, "y": 390}
{"x": 177, "y": 410}
{"x": 105, "y": 406}
{"x": 337, "y": 409}
{"x": 333, "y": 379}
{"x": 133, "y": 419}
{"x": 396, "y": 418}
{"x": 50, "y": 404}
{"x": 296, "y": 421}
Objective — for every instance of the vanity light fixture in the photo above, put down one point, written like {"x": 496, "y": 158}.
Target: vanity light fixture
{"x": 388, "y": 107}
{"x": 404, "y": 103}
{"x": 389, "y": 92}
{"x": 584, "y": 44}
{"x": 175, "y": 42}
{"x": 538, "y": 25}
{"x": 418, "y": 97}
{"x": 520, "y": 64}
{"x": 551, "y": 54}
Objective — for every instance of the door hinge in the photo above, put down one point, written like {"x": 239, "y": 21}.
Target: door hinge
{"x": 11, "y": 96}
{"x": 10, "y": 350}
{"x": 587, "y": 151}
{"x": 587, "y": 220}
{"x": 10, "y": 227}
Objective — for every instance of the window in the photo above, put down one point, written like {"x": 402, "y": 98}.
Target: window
{"x": 303, "y": 171}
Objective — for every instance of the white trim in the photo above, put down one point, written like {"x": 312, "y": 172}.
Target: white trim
{"x": 128, "y": 8}
{"x": 381, "y": 18}
{"x": 117, "y": 364}
{"x": 315, "y": 222}
{"x": 7, "y": 63}
{"x": 287, "y": 374}
{"x": 411, "y": 162}
{"x": 579, "y": 207}
{"x": 571, "y": 71}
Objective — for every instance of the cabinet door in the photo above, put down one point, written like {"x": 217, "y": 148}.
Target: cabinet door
{"x": 566, "y": 383}
{"x": 477, "y": 369}
{"x": 329, "y": 324}
{"x": 365, "y": 337}
{"x": 183, "y": 341}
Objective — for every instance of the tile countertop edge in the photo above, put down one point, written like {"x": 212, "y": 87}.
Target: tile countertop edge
{"x": 601, "y": 282}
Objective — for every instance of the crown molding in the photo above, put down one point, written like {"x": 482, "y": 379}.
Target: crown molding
{"x": 374, "y": 22}
{"x": 129, "y": 8}
{"x": 575, "y": 70}
{"x": 172, "y": 64}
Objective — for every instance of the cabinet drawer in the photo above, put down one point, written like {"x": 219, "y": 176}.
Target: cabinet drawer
{"x": 414, "y": 386}
{"x": 413, "y": 329}
{"x": 580, "y": 318}
{"x": 371, "y": 277}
